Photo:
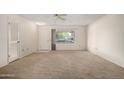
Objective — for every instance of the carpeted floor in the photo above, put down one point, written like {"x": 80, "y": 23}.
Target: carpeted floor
{"x": 62, "y": 65}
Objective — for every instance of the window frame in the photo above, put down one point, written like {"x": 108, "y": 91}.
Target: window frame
{"x": 67, "y": 41}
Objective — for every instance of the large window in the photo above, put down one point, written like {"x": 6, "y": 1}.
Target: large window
{"x": 65, "y": 37}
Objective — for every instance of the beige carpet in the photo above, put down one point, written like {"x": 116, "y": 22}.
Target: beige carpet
{"x": 62, "y": 65}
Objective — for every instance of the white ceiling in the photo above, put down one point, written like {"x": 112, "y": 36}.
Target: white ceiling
{"x": 71, "y": 19}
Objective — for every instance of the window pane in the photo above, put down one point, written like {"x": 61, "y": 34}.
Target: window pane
{"x": 65, "y": 37}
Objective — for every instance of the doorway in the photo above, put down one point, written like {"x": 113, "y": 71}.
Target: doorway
{"x": 14, "y": 42}
{"x": 53, "y": 39}
{"x": 44, "y": 34}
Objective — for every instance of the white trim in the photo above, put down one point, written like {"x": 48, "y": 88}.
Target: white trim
{"x": 43, "y": 51}
{"x": 2, "y": 65}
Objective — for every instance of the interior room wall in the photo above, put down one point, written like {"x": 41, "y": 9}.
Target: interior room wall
{"x": 3, "y": 40}
{"x": 80, "y": 37}
{"x": 106, "y": 38}
{"x": 27, "y": 34}
{"x": 28, "y": 37}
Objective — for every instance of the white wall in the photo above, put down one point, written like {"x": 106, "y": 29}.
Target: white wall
{"x": 80, "y": 37}
{"x": 106, "y": 38}
{"x": 3, "y": 40}
{"x": 28, "y": 36}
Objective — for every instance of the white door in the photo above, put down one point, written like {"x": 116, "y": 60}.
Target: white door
{"x": 13, "y": 41}
{"x": 44, "y": 39}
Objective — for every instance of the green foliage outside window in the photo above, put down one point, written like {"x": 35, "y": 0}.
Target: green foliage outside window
{"x": 65, "y": 37}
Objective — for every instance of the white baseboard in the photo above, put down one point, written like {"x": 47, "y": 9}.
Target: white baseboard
{"x": 2, "y": 65}
{"x": 43, "y": 51}
{"x": 109, "y": 58}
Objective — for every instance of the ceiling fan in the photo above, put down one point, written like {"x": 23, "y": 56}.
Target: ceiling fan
{"x": 60, "y": 16}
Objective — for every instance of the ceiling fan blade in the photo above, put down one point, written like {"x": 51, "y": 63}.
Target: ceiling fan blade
{"x": 60, "y": 17}
{"x": 62, "y": 14}
{"x": 55, "y": 15}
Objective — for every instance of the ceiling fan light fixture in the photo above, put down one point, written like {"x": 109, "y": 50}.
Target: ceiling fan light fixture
{"x": 60, "y": 16}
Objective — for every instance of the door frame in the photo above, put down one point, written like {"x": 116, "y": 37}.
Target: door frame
{"x": 8, "y": 41}
{"x": 53, "y": 39}
{"x": 48, "y": 29}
